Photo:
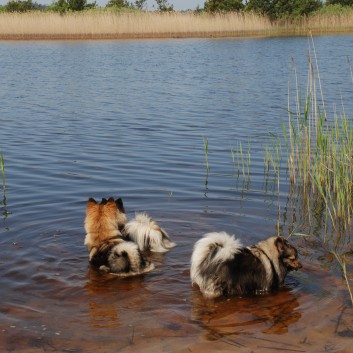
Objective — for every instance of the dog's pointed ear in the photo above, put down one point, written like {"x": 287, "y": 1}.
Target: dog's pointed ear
{"x": 91, "y": 200}
{"x": 111, "y": 200}
{"x": 104, "y": 201}
{"x": 120, "y": 205}
{"x": 281, "y": 244}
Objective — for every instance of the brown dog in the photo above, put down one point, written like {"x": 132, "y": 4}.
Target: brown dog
{"x": 108, "y": 250}
{"x": 103, "y": 223}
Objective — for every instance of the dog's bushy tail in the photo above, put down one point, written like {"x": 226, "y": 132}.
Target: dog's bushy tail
{"x": 209, "y": 252}
{"x": 147, "y": 234}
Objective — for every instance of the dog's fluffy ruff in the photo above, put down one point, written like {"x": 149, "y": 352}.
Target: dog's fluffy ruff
{"x": 147, "y": 234}
{"x": 102, "y": 222}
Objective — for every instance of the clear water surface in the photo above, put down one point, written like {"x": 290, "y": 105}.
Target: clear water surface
{"x": 128, "y": 119}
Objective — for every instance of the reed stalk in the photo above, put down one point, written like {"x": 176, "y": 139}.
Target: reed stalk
{"x": 343, "y": 267}
{"x": 242, "y": 159}
{"x": 3, "y": 202}
{"x": 2, "y": 168}
{"x": 205, "y": 148}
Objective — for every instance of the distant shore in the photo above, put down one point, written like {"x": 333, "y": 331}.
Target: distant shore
{"x": 144, "y": 25}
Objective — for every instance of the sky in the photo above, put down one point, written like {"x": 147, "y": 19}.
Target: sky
{"x": 180, "y": 4}
{"x": 177, "y": 4}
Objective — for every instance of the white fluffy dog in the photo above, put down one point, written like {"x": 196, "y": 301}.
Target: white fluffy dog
{"x": 147, "y": 234}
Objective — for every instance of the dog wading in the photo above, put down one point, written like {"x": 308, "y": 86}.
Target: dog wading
{"x": 115, "y": 245}
{"x": 221, "y": 266}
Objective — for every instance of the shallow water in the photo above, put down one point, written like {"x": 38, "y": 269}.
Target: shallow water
{"x": 128, "y": 119}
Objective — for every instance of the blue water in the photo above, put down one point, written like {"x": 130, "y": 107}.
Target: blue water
{"x": 129, "y": 119}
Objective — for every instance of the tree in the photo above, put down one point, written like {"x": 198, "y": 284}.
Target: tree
{"x": 340, "y": 2}
{"x": 21, "y": 6}
{"x": 71, "y": 5}
{"x": 163, "y": 5}
{"x": 296, "y": 8}
{"x": 140, "y": 4}
{"x": 118, "y": 3}
{"x": 223, "y": 5}
{"x": 263, "y": 7}
{"x": 59, "y": 6}
{"x": 76, "y": 5}
{"x": 276, "y": 9}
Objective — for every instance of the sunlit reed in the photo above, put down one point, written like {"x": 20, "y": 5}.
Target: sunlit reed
{"x": 342, "y": 263}
{"x": 2, "y": 168}
{"x": 3, "y": 201}
{"x": 100, "y": 24}
{"x": 105, "y": 24}
{"x": 205, "y": 148}
{"x": 241, "y": 160}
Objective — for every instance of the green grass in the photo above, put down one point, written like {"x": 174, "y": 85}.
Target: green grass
{"x": 320, "y": 162}
{"x": 241, "y": 160}
{"x": 320, "y": 165}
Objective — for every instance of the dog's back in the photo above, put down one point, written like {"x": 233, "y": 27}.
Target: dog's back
{"x": 103, "y": 221}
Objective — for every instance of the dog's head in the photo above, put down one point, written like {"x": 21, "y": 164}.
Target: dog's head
{"x": 104, "y": 219}
{"x": 288, "y": 254}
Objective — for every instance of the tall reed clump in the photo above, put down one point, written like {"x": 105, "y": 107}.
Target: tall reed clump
{"x": 241, "y": 159}
{"x": 320, "y": 164}
{"x": 320, "y": 159}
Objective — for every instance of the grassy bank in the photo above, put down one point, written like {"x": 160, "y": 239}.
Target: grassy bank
{"x": 110, "y": 25}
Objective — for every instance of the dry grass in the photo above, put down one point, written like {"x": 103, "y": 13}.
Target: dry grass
{"x": 126, "y": 25}
{"x": 105, "y": 24}
{"x": 98, "y": 24}
{"x": 322, "y": 23}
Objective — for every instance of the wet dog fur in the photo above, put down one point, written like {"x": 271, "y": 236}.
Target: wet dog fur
{"x": 221, "y": 266}
{"x": 122, "y": 258}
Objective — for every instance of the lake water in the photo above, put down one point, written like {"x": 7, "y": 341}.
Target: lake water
{"x": 129, "y": 119}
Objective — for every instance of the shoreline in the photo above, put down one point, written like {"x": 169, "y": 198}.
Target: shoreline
{"x": 175, "y": 35}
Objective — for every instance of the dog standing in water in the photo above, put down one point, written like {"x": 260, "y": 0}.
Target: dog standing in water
{"x": 115, "y": 245}
{"x": 221, "y": 266}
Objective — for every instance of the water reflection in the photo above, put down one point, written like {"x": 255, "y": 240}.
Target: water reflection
{"x": 4, "y": 211}
{"x": 109, "y": 296}
{"x": 269, "y": 314}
